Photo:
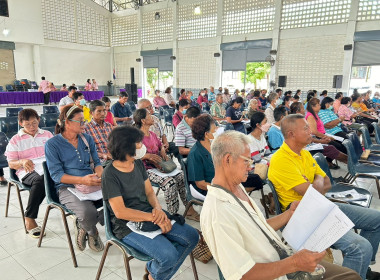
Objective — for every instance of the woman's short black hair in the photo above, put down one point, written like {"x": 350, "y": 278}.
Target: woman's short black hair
{"x": 122, "y": 142}
{"x": 256, "y": 118}
{"x": 238, "y": 100}
{"x": 106, "y": 99}
{"x": 296, "y": 97}
{"x": 138, "y": 116}
{"x": 355, "y": 97}
{"x": 345, "y": 100}
{"x": 325, "y": 101}
{"x": 27, "y": 114}
{"x": 183, "y": 102}
{"x": 286, "y": 99}
{"x": 295, "y": 108}
{"x": 201, "y": 125}
{"x": 76, "y": 95}
{"x": 338, "y": 95}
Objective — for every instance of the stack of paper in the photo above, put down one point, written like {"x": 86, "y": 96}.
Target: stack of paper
{"x": 316, "y": 224}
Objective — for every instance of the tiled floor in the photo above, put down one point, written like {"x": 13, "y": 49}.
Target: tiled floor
{"x": 21, "y": 259}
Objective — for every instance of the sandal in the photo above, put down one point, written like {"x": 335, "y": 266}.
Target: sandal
{"x": 35, "y": 232}
{"x": 194, "y": 217}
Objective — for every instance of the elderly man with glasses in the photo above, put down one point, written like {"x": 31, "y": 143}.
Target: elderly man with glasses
{"x": 236, "y": 236}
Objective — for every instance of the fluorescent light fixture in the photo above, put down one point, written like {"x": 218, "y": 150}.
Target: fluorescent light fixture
{"x": 197, "y": 10}
{"x": 5, "y": 32}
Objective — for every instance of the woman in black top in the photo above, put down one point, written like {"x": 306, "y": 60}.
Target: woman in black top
{"x": 129, "y": 196}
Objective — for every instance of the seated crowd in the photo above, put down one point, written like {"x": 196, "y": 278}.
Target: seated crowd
{"x": 223, "y": 141}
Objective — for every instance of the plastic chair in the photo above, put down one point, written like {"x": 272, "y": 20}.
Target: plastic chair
{"x": 1, "y": 88}
{"x": 277, "y": 205}
{"x": 377, "y": 132}
{"x": 9, "y": 88}
{"x": 12, "y": 112}
{"x": 128, "y": 252}
{"x": 372, "y": 158}
{"x": 220, "y": 274}
{"x": 168, "y": 119}
{"x": 50, "y": 109}
{"x": 132, "y": 106}
{"x": 50, "y": 119}
{"x": 20, "y": 187}
{"x": 3, "y": 146}
{"x": 50, "y": 128}
{"x": 367, "y": 140}
{"x": 360, "y": 170}
{"x": 53, "y": 202}
{"x": 340, "y": 186}
{"x": 9, "y": 125}
{"x": 229, "y": 126}
{"x": 18, "y": 86}
{"x": 191, "y": 200}
{"x": 161, "y": 110}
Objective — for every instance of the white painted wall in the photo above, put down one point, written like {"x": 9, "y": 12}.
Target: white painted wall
{"x": 74, "y": 65}
{"x": 24, "y": 61}
{"x": 24, "y": 22}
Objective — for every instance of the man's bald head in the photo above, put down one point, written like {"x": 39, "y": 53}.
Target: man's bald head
{"x": 289, "y": 123}
{"x": 143, "y": 103}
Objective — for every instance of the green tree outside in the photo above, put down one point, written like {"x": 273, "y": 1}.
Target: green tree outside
{"x": 256, "y": 71}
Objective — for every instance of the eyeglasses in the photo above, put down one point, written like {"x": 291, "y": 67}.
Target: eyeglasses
{"x": 82, "y": 123}
{"x": 247, "y": 161}
{"x": 33, "y": 124}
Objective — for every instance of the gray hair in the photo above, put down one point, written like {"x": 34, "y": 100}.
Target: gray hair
{"x": 253, "y": 100}
{"x": 230, "y": 142}
{"x": 94, "y": 104}
{"x": 272, "y": 97}
{"x": 218, "y": 95}
{"x": 142, "y": 101}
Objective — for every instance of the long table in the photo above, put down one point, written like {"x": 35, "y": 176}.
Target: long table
{"x": 23, "y": 97}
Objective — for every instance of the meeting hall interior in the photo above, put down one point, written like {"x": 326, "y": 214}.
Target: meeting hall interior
{"x": 189, "y": 139}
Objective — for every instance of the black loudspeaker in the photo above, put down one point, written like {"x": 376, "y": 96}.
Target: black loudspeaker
{"x": 132, "y": 92}
{"x": 337, "y": 81}
{"x": 282, "y": 81}
{"x": 132, "y": 75}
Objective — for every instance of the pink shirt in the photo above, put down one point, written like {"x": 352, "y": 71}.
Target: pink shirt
{"x": 177, "y": 118}
{"x": 25, "y": 146}
{"x": 159, "y": 101}
{"x": 346, "y": 113}
{"x": 202, "y": 99}
{"x": 109, "y": 118}
{"x": 320, "y": 126}
{"x": 94, "y": 86}
{"x": 44, "y": 87}
{"x": 336, "y": 105}
{"x": 153, "y": 146}
{"x": 64, "y": 89}
{"x": 88, "y": 87}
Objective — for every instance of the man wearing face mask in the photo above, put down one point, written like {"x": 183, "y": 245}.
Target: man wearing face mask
{"x": 260, "y": 152}
{"x": 183, "y": 136}
{"x": 79, "y": 100}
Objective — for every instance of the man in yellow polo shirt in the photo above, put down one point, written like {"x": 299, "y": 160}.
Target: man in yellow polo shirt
{"x": 292, "y": 170}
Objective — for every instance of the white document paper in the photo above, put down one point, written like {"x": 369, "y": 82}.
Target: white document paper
{"x": 316, "y": 224}
{"x": 163, "y": 175}
{"x": 350, "y": 195}
{"x": 337, "y": 138}
{"x": 219, "y": 130}
{"x": 38, "y": 165}
{"x": 314, "y": 147}
{"x": 149, "y": 234}
{"x": 246, "y": 121}
{"x": 86, "y": 196}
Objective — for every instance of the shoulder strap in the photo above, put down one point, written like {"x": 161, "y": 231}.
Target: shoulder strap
{"x": 271, "y": 240}
{"x": 88, "y": 146}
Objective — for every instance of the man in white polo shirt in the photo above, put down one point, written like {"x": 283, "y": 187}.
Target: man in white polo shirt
{"x": 67, "y": 99}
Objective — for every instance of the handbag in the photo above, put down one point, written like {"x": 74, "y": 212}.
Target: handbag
{"x": 202, "y": 252}
{"x": 282, "y": 253}
{"x": 167, "y": 166}
{"x": 261, "y": 170}
{"x": 84, "y": 188}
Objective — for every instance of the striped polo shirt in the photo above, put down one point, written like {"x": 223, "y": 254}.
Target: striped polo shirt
{"x": 25, "y": 146}
{"x": 183, "y": 135}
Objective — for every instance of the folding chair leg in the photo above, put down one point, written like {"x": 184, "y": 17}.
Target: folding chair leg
{"x": 126, "y": 265}
{"x": 21, "y": 208}
{"x": 189, "y": 204}
{"x": 265, "y": 208}
{"x": 8, "y": 196}
{"x": 44, "y": 225}
{"x": 158, "y": 190}
{"x": 195, "y": 272}
{"x": 378, "y": 187}
{"x": 69, "y": 237}
{"x": 103, "y": 260}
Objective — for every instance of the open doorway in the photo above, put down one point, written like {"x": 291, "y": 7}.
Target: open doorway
{"x": 364, "y": 78}
{"x": 155, "y": 79}
{"x": 255, "y": 76}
